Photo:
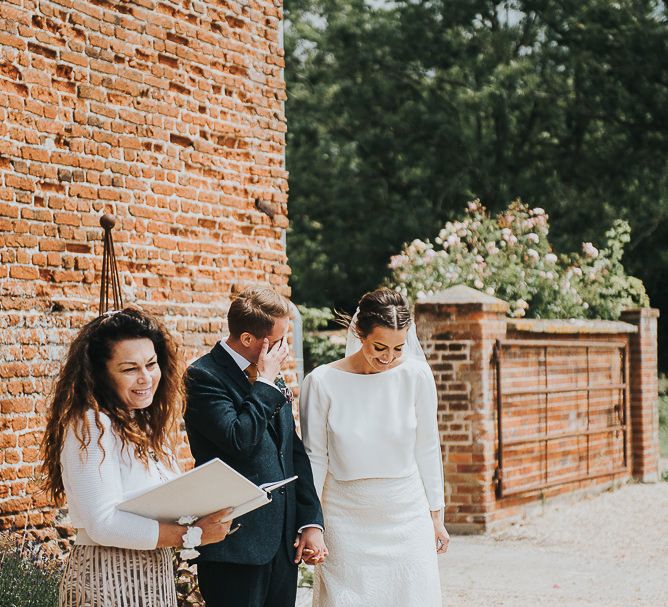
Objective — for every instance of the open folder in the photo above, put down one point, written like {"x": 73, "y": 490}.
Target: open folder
{"x": 201, "y": 491}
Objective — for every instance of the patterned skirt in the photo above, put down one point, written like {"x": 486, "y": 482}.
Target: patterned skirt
{"x": 101, "y": 576}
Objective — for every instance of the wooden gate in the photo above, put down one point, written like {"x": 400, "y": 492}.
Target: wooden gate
{"x": 562, "y": 413}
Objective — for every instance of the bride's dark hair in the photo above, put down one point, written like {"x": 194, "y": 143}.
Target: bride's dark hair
{"x": 381, "y": 308}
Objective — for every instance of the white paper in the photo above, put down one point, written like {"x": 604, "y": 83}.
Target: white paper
{"x": 198, "y": 492}
{"x": 276, "y": 485}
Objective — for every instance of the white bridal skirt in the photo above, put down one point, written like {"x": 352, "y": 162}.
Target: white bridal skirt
{"x": 101, "y": 576}
{"x": 381, "y": 545}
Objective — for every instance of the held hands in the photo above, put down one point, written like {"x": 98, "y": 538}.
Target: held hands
{"x": 270, "y": 361}
{"x": 310, "y": 546}
{"x": 441, "y": 535}
{"x": 213, "y": 528}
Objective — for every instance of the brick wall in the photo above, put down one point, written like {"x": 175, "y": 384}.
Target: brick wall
{"x": 168, "y": 114}
{"x": 644, "y": 388}
{"x": 477, "y": 353}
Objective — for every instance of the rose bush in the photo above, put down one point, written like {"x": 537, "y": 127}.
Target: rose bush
{"x": 509, "y": 256}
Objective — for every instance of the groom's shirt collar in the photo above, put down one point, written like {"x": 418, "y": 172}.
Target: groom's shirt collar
{"x": 242, "y": 363}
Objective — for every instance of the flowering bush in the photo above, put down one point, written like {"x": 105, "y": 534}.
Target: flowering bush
{"x": 509, "y": 256}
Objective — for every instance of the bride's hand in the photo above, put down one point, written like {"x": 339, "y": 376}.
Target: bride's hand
{"x": 310, "y": 546}
{"x": 441, "y": 535}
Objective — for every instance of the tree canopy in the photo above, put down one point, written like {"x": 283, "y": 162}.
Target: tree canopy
{"x": 400, "y": 112}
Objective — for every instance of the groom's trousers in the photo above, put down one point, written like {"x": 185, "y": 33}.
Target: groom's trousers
{"x": 230, "y": 585}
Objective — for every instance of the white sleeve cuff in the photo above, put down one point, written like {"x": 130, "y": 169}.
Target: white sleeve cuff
{"x": 269, "y": 383}
{"x": 308, "y": 526}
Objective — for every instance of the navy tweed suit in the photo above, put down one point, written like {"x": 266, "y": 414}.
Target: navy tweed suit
{"x": 230, "y": 418}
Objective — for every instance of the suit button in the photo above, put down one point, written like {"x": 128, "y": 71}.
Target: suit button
{"x": 281, "y": 491}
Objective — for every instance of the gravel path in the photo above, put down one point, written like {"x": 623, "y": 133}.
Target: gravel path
{"x": 610, "y": 550}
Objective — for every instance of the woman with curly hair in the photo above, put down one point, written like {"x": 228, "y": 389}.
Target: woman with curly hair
{"x": 110, "y": 431}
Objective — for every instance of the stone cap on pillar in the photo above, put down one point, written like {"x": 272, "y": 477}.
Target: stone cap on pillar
{"x": 465, "y": 296}
{"x": 638, "y": 313}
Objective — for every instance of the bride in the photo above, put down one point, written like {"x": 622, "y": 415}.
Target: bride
{"x": 369, "y": 428}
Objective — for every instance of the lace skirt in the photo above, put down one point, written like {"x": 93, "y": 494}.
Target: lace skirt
{"x": 381, "y": 545}
{"x": 101, "y": 576}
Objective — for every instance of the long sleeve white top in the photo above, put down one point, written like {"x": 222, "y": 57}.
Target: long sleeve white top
{"x": 98, "y": 478}
{"x": 380, "y": 425}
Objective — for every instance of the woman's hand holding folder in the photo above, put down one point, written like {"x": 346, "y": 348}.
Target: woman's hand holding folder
{"x": 214, "y": 529}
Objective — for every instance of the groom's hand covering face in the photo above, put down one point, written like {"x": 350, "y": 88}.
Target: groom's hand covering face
{"x": 270, "y": 361}
{"x": 253, "y": 343}
{"x": 270, "y": 351}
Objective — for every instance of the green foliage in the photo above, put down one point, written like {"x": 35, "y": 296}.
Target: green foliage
{"x": 509, "y": 256}
{"x": 28, "y": 578}
{"x": 305, "y": 576}
{"x": 663, "y": 416}
{"x": 399, "y": 112}
{"x": 320, "y": 346}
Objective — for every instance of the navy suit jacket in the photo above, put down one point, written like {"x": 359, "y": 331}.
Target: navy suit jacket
{"x": 228, "y": 417}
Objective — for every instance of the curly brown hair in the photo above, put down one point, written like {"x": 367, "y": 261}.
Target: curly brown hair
{"x": 83, "y": 384}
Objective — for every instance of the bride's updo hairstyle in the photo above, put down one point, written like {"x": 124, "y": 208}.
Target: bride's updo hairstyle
{"x": 381, "y": 308}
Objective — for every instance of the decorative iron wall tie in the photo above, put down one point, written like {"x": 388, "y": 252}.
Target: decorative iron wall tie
{"x": 110, "y": 277}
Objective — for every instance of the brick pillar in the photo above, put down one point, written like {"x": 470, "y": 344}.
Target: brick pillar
{"x": 644, "y": 394}
{"x": 457, "y": 328}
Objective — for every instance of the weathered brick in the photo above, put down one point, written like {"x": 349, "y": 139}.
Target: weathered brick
{"x": 14, "y": 41}
{"x": 86, "y": 91}
{"x": 122, "y": 119}
{"x": 23, "y": 272}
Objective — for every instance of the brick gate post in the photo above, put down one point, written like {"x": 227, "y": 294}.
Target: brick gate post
{"x": 457, "y": 328}
{"x": 644, "y": 393}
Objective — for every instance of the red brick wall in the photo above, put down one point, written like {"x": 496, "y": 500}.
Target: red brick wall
{"x": 458, "y": 340}
{"x": 459, "y": 329}
{"x": 644, "y": 393}
{"x": 168, "y": 114}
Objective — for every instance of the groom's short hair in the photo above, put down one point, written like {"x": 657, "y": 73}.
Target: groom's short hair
{"x": 255, "y": 310}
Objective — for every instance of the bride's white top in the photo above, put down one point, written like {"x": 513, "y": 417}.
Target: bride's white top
{"x": 380, "y": 425}
{"x": 98, "y": 478}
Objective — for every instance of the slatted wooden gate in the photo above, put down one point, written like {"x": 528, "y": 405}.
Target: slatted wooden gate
{"x": 562, "y": 413}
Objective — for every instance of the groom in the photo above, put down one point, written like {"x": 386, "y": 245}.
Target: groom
{"x": 239, "y": 409}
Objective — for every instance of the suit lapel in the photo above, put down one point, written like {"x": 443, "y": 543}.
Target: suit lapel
{"x": 232, "y": 370}
{"x": 285, "y": 421}
{"x": 276, "y": 428}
